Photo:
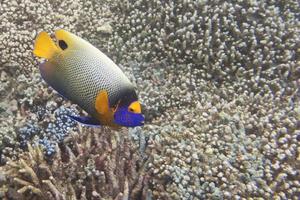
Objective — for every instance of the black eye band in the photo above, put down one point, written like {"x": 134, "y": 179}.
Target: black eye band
{"x": 62, "y": 44}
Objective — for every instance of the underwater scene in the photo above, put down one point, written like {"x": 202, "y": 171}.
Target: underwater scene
{"x": 149, "y": 99}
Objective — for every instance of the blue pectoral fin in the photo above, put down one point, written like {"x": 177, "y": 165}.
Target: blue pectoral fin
{"x": 89, "y": 121}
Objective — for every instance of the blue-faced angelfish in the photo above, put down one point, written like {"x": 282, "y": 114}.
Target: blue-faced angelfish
{"x": 83, "y": 74}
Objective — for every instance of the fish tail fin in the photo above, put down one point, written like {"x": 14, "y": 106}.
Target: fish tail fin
{"x": 44, "y": 46}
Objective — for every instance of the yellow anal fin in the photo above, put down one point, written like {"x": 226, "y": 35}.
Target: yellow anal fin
{"x": 44, "y": 46}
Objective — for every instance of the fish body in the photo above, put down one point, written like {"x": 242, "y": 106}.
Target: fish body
{"x": 86, "y": 76}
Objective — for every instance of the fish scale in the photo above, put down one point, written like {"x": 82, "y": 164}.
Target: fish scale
{"x": 86, "y": 77}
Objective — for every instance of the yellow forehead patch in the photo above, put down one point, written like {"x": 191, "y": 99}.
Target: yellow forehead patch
{"x": 72, "y": 41}
{"x": 67, "y": 37}
{"x": 135, "y": 107}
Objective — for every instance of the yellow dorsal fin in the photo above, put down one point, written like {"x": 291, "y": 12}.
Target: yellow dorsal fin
{"x": 44, "y": 46}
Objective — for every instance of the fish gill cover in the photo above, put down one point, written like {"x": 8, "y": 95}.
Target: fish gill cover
{"x": 220, "y": 81}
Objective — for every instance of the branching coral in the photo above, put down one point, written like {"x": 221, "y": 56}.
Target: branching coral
{"x": 93, "y": 165}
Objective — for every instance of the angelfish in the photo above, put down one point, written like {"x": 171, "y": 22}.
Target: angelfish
{"x": 87, "y": 77}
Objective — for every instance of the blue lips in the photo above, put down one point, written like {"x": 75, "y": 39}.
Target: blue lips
{"x": 123, "y": 117}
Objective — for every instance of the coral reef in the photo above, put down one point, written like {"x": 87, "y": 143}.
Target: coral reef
{"x": 48, "y": 133}
{"x": 219, "y": 80}
{"x": 90, "y": 165}
{"x": 229, "y": 153}
{"x": 252, "y": 43}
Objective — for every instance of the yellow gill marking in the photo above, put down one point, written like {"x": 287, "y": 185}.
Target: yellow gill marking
{"x": 102, "y": 103}
{"x": 44, "y": 46}
{"x": 102, "y": 106}
{"x": 135, "y": 107}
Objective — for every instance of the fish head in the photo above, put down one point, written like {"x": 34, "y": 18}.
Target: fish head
{"x": 46, "y": 48}
{"x": 130, "y": 115}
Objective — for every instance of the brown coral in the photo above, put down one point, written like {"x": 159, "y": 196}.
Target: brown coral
{"x": 90, "y": 165}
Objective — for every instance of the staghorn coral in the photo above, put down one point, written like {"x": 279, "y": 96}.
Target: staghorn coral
{"x": 92, "y": 165}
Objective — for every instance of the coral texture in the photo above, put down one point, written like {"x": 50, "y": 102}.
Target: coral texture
{"x": 220, "y": 81}
{"x": 92, "y": 165}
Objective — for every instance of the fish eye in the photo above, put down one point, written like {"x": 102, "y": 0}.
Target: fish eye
{"x": 131, "y": 110}
{"x": 62, "y": 44}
